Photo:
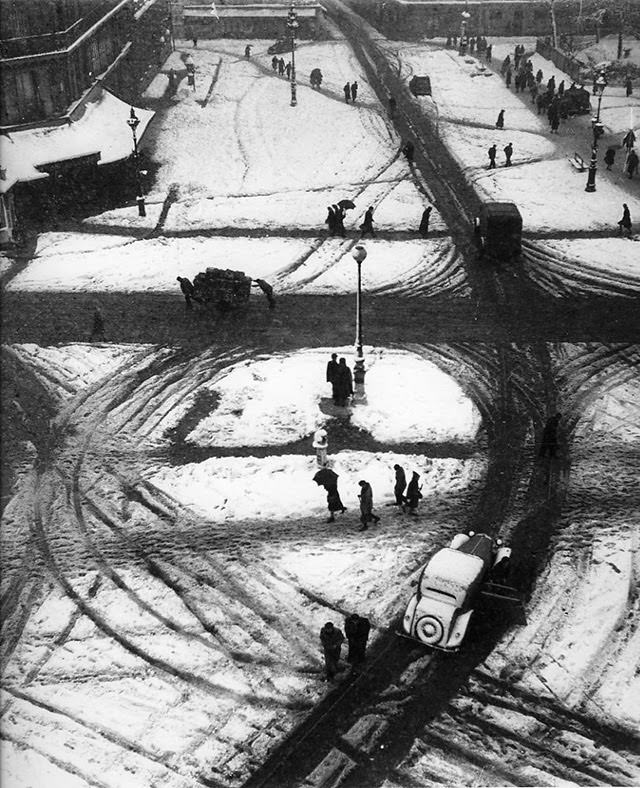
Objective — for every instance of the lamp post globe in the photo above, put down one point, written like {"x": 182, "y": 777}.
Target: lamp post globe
{"x": 359, "y": 254}
{"x": 598, "y": 130}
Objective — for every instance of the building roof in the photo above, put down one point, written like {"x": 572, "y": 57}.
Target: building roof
{"x": 102, "y": 130}
{"x": 254, "y": 10}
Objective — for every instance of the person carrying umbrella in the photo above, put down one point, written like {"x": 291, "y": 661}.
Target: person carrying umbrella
{"x": 329, "y": 480}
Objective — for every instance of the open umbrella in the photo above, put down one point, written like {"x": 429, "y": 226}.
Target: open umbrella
{"x": 325, "y": 476}
{"x": 346, "y": 204}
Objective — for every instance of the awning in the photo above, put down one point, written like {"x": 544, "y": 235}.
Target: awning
{"x": 101, "y": 132}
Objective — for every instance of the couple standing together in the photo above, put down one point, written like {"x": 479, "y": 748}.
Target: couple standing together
{"x": 341, "y": 379}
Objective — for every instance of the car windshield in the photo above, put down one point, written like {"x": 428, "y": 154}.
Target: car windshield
{"x": 437, "y": 593}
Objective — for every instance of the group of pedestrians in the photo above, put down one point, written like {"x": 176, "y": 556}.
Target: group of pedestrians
{"x": 631, "y": 161}
{"x": 350, "y": 91}
{"x": 340, "y": 377}
{"x": 356, "y": 629}
{"x": 472, "y": 43}
{"x": 508, "y": 153}
{"x": 280, "y": 67}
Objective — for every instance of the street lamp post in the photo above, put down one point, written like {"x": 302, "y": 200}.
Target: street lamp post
{"x": 462, "y": 50}
{"x": 359, "y": 254}
{"x": 133, "y": 122}
{"x": 292, "y": 27}
{"x": 598, "y": 89}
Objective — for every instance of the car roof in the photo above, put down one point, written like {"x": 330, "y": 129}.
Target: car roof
{"x": 461, "y": 568}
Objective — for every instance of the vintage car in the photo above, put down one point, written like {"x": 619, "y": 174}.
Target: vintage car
{"x": 438, "y": 614}
{"x": 498, "y": 231}
{"x": 282, "y": 45}
{"x": 222, "y": 289}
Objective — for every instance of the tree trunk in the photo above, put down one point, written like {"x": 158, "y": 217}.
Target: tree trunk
{"x": 619, "y": 43}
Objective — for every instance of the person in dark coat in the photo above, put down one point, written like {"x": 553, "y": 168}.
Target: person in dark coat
{"x": 331, "y": 638}
{"x": 354, "y": 91}
{"x": 424, "y": 221}
{"x": 334, "y": 503}
{"x": 287, "y": 68}
{"x": 500, "y": 120}
{"x": 632, "y": 163}
{"x": 195, "y": 42}
{"x": 413, "y": 494}
{"x": 506, "y": 64}
{"x": 610, "y": 157}
{"x": 533, "y": 91}
{"x": 408, "y": 149}
{"x": 625, "y": 222}
{"x": 399, "y": 484}
{"x": 539, "y": 76}
{"x": 97, "y": 331}
{"x": 347, "y": 92}
{"x": 488, "y": 51}
{"x": 549, "y": 442}
{"x": 281, "y": 66}
{"x": 344, "y": 383}
{"x": 247, "y": 51}
{"x": 332, "y": 375}
{"x": 330, "y": 221}
{"x": 338, "y": 217}
{"x": 367, "y": 224}
{"x": 507, "y": 77}
{"x": 561, "y": 89}
{"x": 492, "y": 157}
{"x": 366, "y": 505}
{"x": 628, "y": 86}
{"x": 187, "y": 290}
{"x": 508, "y": 152}
{"x": 551, "y": 85}
{"x": 268, "y": 291}
{"x": 516, "y": 81}
{"x": 274, "y": 63}
{"x": 629, "y": 140}
{"x": 555, "y": 122}
{"x": 357, "y": 629}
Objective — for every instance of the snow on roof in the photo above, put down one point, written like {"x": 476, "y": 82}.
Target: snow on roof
{"x": 452, "y": 565}
{"x": 102, "y": 130}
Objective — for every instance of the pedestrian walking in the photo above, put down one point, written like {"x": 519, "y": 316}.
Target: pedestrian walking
{"x": 516, "y": 81}
{"x": 367, "y": 224}
{"x": 533, "y": 91}
{"x": 247, "y": 51}
{"x": 274, "y": 63}
{"x": 331, "y": 638}
{"x": 629, "y": 140}
{"x": 472, "y": 45}
{"x": 321, "y": 445}
{"x": 344, "y": 383}
{"x": 492, "y": 157}
{"x": 268, "y": 291}
{"x": 331, "y": 220}
{"x": 507, "y": 77}
{"x": 334, "y": 503}
{"x": 539, "y": 76}
{"x": 366, "y": 505}
{"x": 347, "y": 92}
{"x": 187, "y": 290}
{"x": 632, "y": 163}
{"x": 508, "y": 152}
{"x": 408, "y": 149}
{"x": 97, "y": 331}
{"x": 500, "y": 120}
{"x": 625, "y": 223}
{"x": 332, "y": 375}
{"x": 281, "y": 66}
{"x": 413, "y": 494}
{"x": 487, "y": 53}
{"x": 610, "y": 157}
{"x": 551, "y": 85}
{"x": 506, "y": 64}
{"x": 424, "y": 221}
{"x": 399, "y": 484}
{"x": 354, "y": 91}
{"x": 338, "y": 218}
{"x": 549, "y": 442}
{"x": 561, "y": 89}
{"x": 287, "y": 68}
{"x": 195, "y": 42}
{"x": 555, "y": 122}
{"x": 628, "y": 84}
{"x": 356, "y": 629}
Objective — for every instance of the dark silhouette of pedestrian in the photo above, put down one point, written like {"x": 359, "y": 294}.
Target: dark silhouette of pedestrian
{"x": 195, "y": 42}
{"x": 187, "y": 290}
{"x": 424, "y": 221}
{"x": 507, "y": 77}
{"x": 334, "y": 504}
{"x": 408, "y": 149}
{"x": 448, "y": 42}
{"x": 632, "y": 163}
{"x": 492, "y": 157}
{"x": 274, "y": 63}
{"x": 247, "y": 51}
{"x": 551, "y": 85}
{"x": 281, "y": 66}
{"x": 561, "y": 89}
{"x": 628, "y": 83}
{"x": 399, "y": 484}
{"x": 508, "y": 152}
{"x": 488, "y": 52}
{"x": 539, "y": 76}
{"x": 500, "y": 120}
{"x": 555, "y": 122}
{"x": 413, "y": 494}
{"x": 625, "y": 222}
{"x": 392, "y": 106}
{"x": 97, "y": 331}
{"x": 331, "y": 638}
{"x": 344, "y": 383}
{"x": 330, "y": 221}
{"x": 347, "y": 92}
{"x": 629, "y": 140}
{"x": 610, "y": 157}
{"x": 354, "y": 91}
{"x": 366, "y": 505}
{"x": 268, "y": 291}
{"x": 338, "y": 217}
{"x": 533, "y": 91}
{"x": 287, "y": 68}
{"x": 367, "y": 224}
{"x": 357, "y": 629}
{"x": 506, "y": 64}
{"x": 332, "y": 375}
{"x": 549, "y": 442}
